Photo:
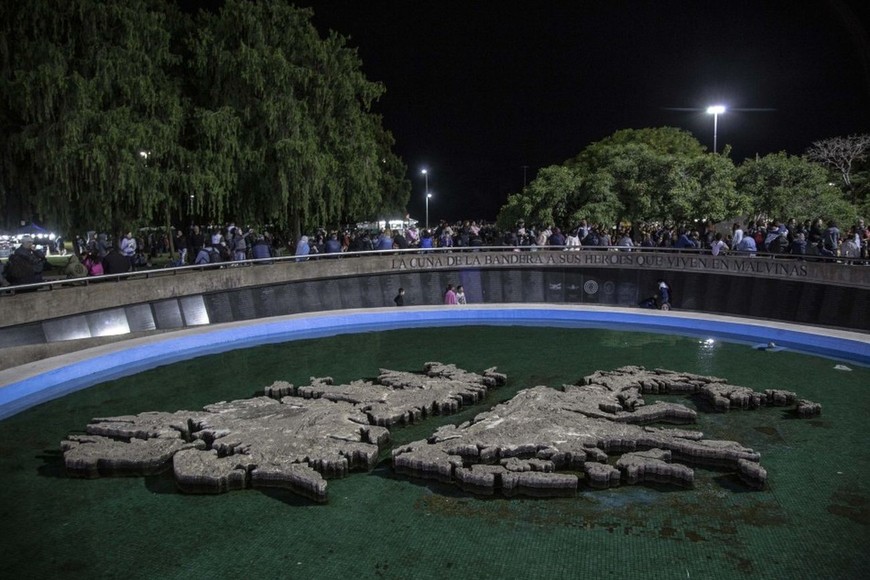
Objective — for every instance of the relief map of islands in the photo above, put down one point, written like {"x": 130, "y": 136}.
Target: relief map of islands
{"x": 598, "y": 433}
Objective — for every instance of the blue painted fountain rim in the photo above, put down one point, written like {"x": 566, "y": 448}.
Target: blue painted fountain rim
{"x": 24, "y": 387}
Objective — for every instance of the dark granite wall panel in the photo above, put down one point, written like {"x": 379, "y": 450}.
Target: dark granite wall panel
{"x": 140, "y": 318}
{"x": 472, "y": 283}
{"x": 193, "y": 310}
{"x": 511, "y": 282}
{"x": 219, "y": 308}
{"x": 307, "y": 295}
{"x": 68, "y": 328}
{"x": 22, "y": 335}
{"x": 108, "y": 322}
{"x": 167, "y": 314}
{"x": 533, "y": 288}
{"x": 244, "y": 304}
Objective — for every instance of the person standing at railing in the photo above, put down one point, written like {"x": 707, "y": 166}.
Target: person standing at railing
{"x": 426, "y": 242}
{"x": 684, "y": 242}
{"x": 128, "y": 249}
{"x": 181, "y": 246}
{"x": 831, "y": 240}
{"x": 25, "y": 265}
{"x": 747, "y": 246}
{"x": 384, "y": 241}
{"x": 117, "y": 263}
{"x": 240, "y": 244}
{"x": 196, "y": 241}
{"x": 798, "y": 245}
{"x": 302, "y": 249}
{"x": 625, "y": 242}
{"x": 718, "y": 246}
{"x": 332, "y": 245}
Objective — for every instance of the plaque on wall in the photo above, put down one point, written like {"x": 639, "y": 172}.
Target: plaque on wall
{"x": 22, "y": 335}
{"x": 243, "y": 304}
{"x": 140, "y": 318}
{"x": 554, "y": 286}
{"x": 167, "y": 314}
{"x": 108, "y": 322}
{"x": 218, "y": 307}
{"x": 67, "y": 328}
{"x": 573, "y": 286}
{"x": 193, "y": 310}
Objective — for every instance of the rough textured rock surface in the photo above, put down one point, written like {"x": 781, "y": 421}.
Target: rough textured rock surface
{"x": 543, "y": 442}
{"x": 575, "y": 430}
{"x": 295, "y": 438}
{"x": 807, "y": 408}
{"x": 655, "y": 465}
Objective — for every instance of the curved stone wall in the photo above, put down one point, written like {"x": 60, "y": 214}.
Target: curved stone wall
{"x": 828, "y": 294}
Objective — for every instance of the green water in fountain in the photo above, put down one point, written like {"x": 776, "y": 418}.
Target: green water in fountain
{"x": 813, "y": 520}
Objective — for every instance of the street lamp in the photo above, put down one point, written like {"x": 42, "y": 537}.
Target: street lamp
{"x": 425, "y": 173}
{"x": 715, "y": 110}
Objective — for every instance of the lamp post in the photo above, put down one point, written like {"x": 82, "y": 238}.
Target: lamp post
{"x": 425, "y": 173}
{"x": 715, "y": 110}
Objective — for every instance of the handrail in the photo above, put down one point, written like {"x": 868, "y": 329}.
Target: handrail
{"x": 60, "y": 283}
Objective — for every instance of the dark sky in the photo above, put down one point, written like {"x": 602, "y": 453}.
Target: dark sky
{"x": 478, "y": 89}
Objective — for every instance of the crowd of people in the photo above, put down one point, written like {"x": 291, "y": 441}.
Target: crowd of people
{"x": 97, "y": 254}
{"x": 807, "y": 238}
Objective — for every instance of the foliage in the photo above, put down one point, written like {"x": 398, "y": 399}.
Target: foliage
{"x": 92, "y": 116}
{"x": 634, "y": 175}
{"x": 782, "y": 186}
{"x": 545, "y": 201}
{"x": 120, "y": 111}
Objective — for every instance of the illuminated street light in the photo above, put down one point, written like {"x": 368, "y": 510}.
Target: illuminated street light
{"x": 425, "y": 173}
{"x": 715, "y": 110}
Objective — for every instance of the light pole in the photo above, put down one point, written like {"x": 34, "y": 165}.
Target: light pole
{"x": 425, "y": 173}
{"x": 715, "y": 110}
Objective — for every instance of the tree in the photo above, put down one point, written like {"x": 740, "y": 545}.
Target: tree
{"x": 284, "y": 123}
{"x": 119, "y": 112}
{"x": 841, "y": 153}
{"x": 633, "y": 175}
{"x": 92, "y": 114}
{"x": 784, "y": 186}
{"x": 545, "y": 202}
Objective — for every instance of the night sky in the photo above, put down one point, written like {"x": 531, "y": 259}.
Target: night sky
{"x": 476, "y": 90}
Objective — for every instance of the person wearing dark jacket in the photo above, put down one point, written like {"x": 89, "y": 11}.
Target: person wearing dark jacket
{"x": 116, "y": 263}
{"x": 26, "y": 264}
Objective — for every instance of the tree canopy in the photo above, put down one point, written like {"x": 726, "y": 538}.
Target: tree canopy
{"x": 118, "y": 112}
{"x": 633, "y": 175}
{"x": 665, "y": 174}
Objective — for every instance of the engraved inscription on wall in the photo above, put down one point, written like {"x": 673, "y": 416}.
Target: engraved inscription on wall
{"x": 776, "y": 268}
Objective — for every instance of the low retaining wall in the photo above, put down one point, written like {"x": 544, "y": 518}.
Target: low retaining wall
{"x": 30, "y": 385}
{"x": 827, "y": 294}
